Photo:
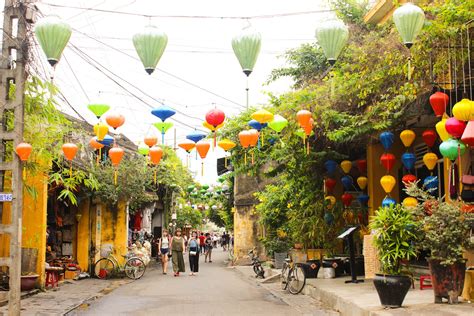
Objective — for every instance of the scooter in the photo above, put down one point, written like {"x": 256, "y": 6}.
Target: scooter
{"x": 257, "y": 265}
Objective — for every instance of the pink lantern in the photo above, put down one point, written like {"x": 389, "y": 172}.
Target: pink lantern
{"x": 468, "y": 135}
{"x": 455, "y": 127}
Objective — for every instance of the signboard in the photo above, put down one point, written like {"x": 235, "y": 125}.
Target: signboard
{"x": 347, "y": 232}
{"x": 6, "y": 197}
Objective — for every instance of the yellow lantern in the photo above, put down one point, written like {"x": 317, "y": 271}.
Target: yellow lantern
{"x": 331, "y": 200}
{"x": 210, "y": 127}
{"x": 100, "y": 130}
{"x": 262, "y": 116}
{"x": 346, "y": 166}
{"x": 410, "y": 202}
{"x": 430, "y": 160}
{"x": 388, "y": 183}
{"x": 464, "y": 110}
{"x": 362, "y": 182}
{"x": 441, "y": 129}
{"x": 407, "y": 136}
{"x": 227, "y": 145}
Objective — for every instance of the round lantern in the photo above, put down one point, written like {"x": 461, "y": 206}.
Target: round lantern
{"x": 53, "y": 34}
{"x": 346, "y": 166}
{"x": 150, "y": 45}
{"x": 439, "y": 101}
{"x": 409, "y": 178}
{"x": 347, "y": 199}
{"x": 441, "y": 129}
{"x": 330, "y": 200}
{"x": 116, "y": 155}
{"x": 429, "y": 137}
{"x": 388, "y": 201}
{"x": 95, "y": 144}
{"x": 330, "y": 166}
{"x": 347, "y": 182}
{"x": 386, "y": 139}
{"x": 407, "y": 137}
{"x": 244, "y": 138}
{"x": 115, "y": 120}
{"x": 332, "y": 36}
{"x": 362, "y": 182}
{"x": 215, "y": 118}
{"x": 468, "y": 135}
{"x": 155, "y": 153}
{"x": 408, "y": 160}
{"x": 388, "y": 183}
{"x": 150, "y": 140}
{"x": 278, "y": 123}
{"x": 143, "y": 149}
{"x": 452, "y": 148}
{"x": 430, "y": 160}
{"x": 98, "y": 109}
{"x": 455, "y": 127}
{"x": 361, "y": 165}
{"x": 303, "y": 117}
{"x": 387, "y": 160}
{"x": 100, "y": 130}
{"x": 23, "y": 150}
{"x": 464, "y": 110}
{"x": 409, "y": 20}
{"x": 246, "y": 48}
{"x": 329, "y": 183}
{"x": 410, "y": 202}
{"x": 253, "y": 137}
{"x": 256, "y": 125}
{"x": 329, "y": 218}
{"x": 70, "y": 151}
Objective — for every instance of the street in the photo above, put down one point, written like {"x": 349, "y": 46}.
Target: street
{"x": 217, "y": 290}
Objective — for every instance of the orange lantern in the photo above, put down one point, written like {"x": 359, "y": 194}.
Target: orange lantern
{"x": 97, "y": 146}
{"x": 150, "y": 141}
{"x": 155, "y": 155}
{"x": 227, "y": 145}
{"x": 187, "y": 145}
{"x": 254, "y": 134}
{"x": 308, "y": 129}
{"x": 303, "y": 117}
{"x": 70, "y": 151}
{"x": 244, "y": 138}
{"x": 202, "y": 148}
{"x": 23, "y": 150}
{"x": 115, "y": 119}
{"x": 116, "y": 155}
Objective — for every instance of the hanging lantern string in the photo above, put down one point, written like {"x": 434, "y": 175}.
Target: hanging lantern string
{"x": 455, "y": 73}
{"x": 253, "y": 160}
{"x": 202, "y": 168}
{"x": 115, "y": 176}
{"x": 450, "y": 76}
{"x": 409, "y": 65}
{"x": 247, "y": 91}
{"x": 154, "y": 175}
{"x": 98, "y": 156}
{"x": 463, "y": 65}
{"x": 307, "y": 149}
{"x": 469, "y": 60}
{"x": 225, "y": 162}
{"x": 245, "y": 157}
{"x": 70, "y": 169}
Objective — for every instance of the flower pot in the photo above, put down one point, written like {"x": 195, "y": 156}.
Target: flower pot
{"x": 315, "y": 254}
{"x": 279, "y": 259}
{"x": 335, "y": 263}
{"x": 329, "y": 273}
{"x": 298, "y": 246}
{"x": 311, "y": 268}
{"x": 392, "y": 289}
{"x": 28, "y": 282}
{"x": 447, "y": 280}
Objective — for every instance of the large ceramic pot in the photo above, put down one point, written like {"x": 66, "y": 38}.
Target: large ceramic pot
{"x": 335, "y": 263}
{"x": 28, "y": 282}
{"x": 392, "y": 289}
{"x": 447, "y": 281}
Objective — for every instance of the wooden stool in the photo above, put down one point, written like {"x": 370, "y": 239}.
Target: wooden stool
{"x": 52, "y": 277}
{"x": 423, "y": 278}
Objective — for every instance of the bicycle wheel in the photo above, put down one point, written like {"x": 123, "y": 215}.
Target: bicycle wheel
{"x": 134, "y": 268}
{"x": 104, "y": 268}
{"x": 284, "y": 277}
{"x": 297, "y": 280}
{"x": 258, "y": 269}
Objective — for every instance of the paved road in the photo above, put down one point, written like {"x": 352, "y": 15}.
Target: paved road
{"x": 217, "y": 290}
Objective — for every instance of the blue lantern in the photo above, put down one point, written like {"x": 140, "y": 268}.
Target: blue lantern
{"x": 107, "y": 141}
{"x": 256, "y": 125}
{"x": 347, "y": 182}
{"x": 386, "y": 138}
{"x": 195, "y": 136}
{"x": 163, "y": 112}
{"x": 329, "y": 218}
{"x": 431, "y": 183}
{"x": 388, "y": 201}
{"x": 363, "y": 199}
{"x": 330, "y": 166}
{"x": 408, "y": 160}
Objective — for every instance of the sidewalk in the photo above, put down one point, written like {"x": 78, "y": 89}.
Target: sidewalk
{"x": 69, "y": 296}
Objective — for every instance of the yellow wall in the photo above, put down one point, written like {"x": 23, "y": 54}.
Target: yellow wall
{"x": 83, "y": 233}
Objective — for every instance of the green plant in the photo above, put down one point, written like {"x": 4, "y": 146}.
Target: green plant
{"x": 445, "y": 228}
{"x": 395, "y": 237}
{"x": 276, "y": 245}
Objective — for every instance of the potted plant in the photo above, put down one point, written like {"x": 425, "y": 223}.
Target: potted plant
{"x": 446, "y": 234}
{"x": 395, "y": 231}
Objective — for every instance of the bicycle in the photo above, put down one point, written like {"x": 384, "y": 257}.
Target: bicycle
{"x": 134, "y": 267}
{"x": 257, "y": 266}
{"x": 292, "y": 277}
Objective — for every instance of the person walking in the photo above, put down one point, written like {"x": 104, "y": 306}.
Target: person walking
{"x": 193, "y": 250}
{"x": 202, "y": 242}
{"x": 164, "y": 250}
{"x": 208, "y": 245}
{"x": 177, "y": 249}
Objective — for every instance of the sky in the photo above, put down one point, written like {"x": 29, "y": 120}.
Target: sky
{"x": 198, "y": 70}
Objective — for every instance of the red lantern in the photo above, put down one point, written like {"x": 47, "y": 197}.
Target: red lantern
{"x": 455, "y": 127}
{"x": 388, "y": 161}
{"x": 329, "y": 183}
{"x": 439, "y": 101}
{"x": 429, "y": 137}
{"x": 361, "y": 165}
{"x": 409, "y": 178}
{"x": 468, "y": 135}
{"x": 215, "y": 117}
{"x": 23, "y": 150}
{"x": 347, "y": 199}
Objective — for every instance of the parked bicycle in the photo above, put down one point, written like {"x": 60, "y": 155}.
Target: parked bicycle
{"x": 106, "y": 267}
{"x": 257, "y": 265}
{"x": 292, "y": 277}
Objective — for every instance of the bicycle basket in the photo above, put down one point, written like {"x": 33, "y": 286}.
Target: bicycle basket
{"x": 106, "y": 250}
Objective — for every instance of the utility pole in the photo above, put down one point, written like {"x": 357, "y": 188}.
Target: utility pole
{"x": 17, "y": 15}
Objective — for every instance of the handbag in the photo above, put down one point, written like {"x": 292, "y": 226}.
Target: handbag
{"x": 467, "y": 193}
{"x": 193, "y": 253}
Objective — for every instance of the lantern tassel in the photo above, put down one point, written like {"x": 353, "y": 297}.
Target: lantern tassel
{"x": 202, "y": 169}
{"x": 409, "y": 68}
{"x": 245, "y": 158}
{"x": 215, "y": 140}
{"x": 262, "y": 138}
{"x": 115, "y": 176}
{"x": 99, "y": 158}
{"x": 253, "y": 160}
{"x": 225, "y": 162}
{"x": 307, "y": 148}
{"x": 460, "y": 168}
{"x": 70, "y": 170}
{"x": 24, "y": 173}
{"x": 154, "y": 176}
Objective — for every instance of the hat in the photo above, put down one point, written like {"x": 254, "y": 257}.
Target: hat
{"x": 178, "y": 229}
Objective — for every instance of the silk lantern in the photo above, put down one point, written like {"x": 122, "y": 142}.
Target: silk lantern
{"x": 329, "y": 218}
{"x": 114, "y": 119}
{"x": 431, "y": 183}
{"x": 441, "y": 129}
{"x": 363, "y": 199}
{"x": 107, "y": 141}
{"x": 387, "y": 160}
{"x": 69, "y": 151}
{"x": 150, "y": 45}
{"x": 330, "y": 166}
{"x": 263, "y": 117}
{"x": 278, "y": 123}
{"x": 187, "y": 145}
{"x": 163, "y": 127}
{"x": 452, "y": 148}
{"x": 455, "y": 127}
{"x": 330, "y": 200}
{"x": 361, "y": 165}
{"x": 439, "y": 101}
{"x": 346, "y": 166}
{"x": 388, "y": 183}
{"x": 196, "y": 136}
{"x": 386, "y": 139}
{"x": 388, "y": 202}
{"x": 226, "y": 145}
{"x": 163, "y": 112}
{"x": 143, "y": 149}
{"x": 429, "y": 137}
{"x": 464, "y": 110}
{"x": 53, "y": 34}
{"x": 430, "y": 160}
{"x": 96, "y": 146}
{"x": 255, "y": 124}
{"x": 362, "y": 182}
{"x": 116, "y": 154}
{"x": 254, "y": 134}
{"x": 246, "y": 46}
{"x": 468, "y": 135}
{"x": 408, "y": 160}
{"x": 23, "y": 150}
{"x": 347, "y": 182}
{"x": 100, "y": 130}
{"x": 215, "y": 117}
{"x": 98, "y": 109}
{"x": 409, "y": 178}
{"x": 150, "y": 140}
{"x": 410, "y": 202}
{"x": 409, "y": 20}
{"x": 155, "y": 153}
{"x": 347, "y": 199}
{"x": 303, "y": 117}
{"x": 329, "y": 184}
{"x": 244, "y": 138}
{"x": 407, "y": 137}
{"x": 202, "y": 148}
{"x": 332, "y": 36}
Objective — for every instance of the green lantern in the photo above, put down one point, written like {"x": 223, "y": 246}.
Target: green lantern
{"x": 150, "y": 45}
{"x": 98, "y": 109}
{"x": 143, "y": 149}
{"x": 278, "y": 123}
{"x": 205, "y": 186}
{"x": 191, "y": 188}
{"x": 451, "y": 148}
{"x": 53, "y": 34}
{"x": 163, "y": 127}
{"x": 332, "y": 37}
{"x": 409, "y": 20}
{"x": 246, "y": 47}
